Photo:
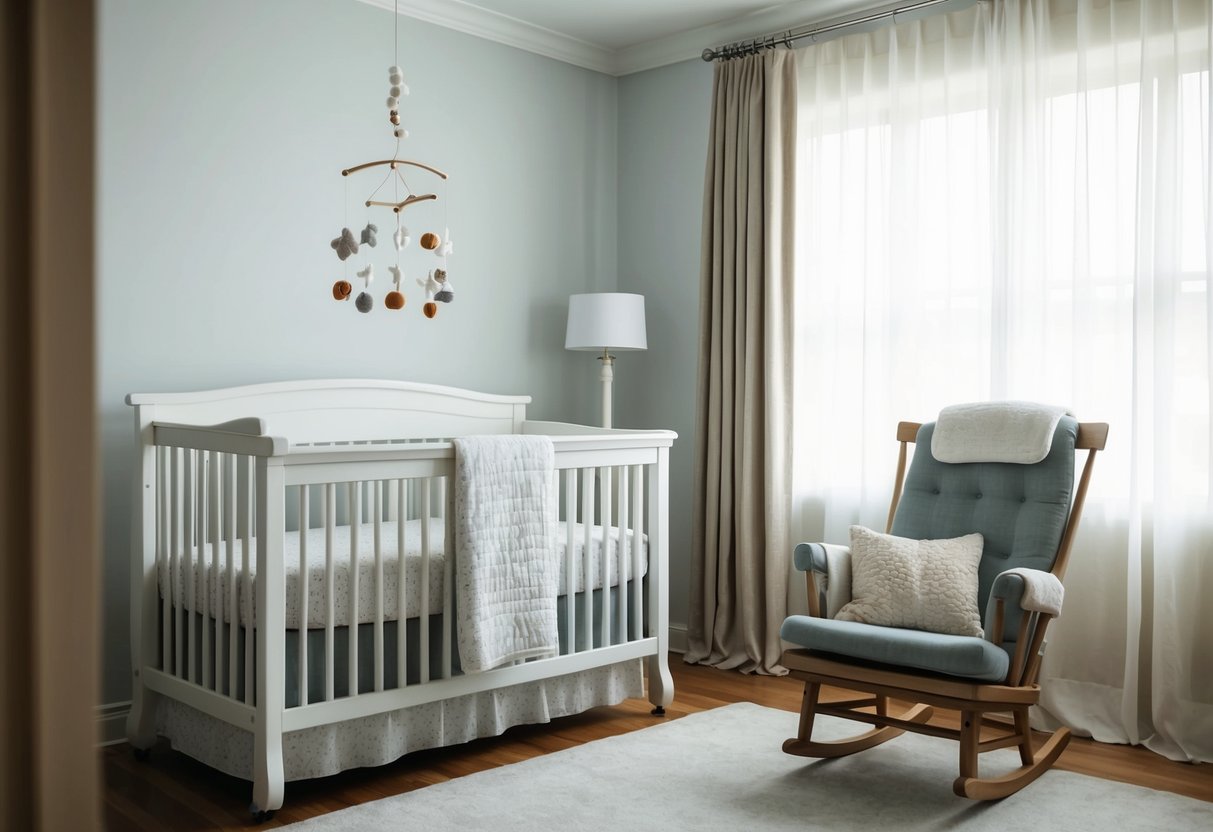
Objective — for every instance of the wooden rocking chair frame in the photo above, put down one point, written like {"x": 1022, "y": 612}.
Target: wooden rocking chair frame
{"x": 974, "y": 700}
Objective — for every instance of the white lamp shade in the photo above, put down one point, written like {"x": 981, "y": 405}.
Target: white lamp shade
{"x": 606, "y": 320}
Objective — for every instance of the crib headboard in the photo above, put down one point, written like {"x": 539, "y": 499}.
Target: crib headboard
{"x": 342, "y": 410}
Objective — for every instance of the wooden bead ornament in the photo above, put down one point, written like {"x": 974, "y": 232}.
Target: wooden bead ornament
{"x": 430, "y": 241}
{"x": 432, "y": 287}
{"x": 395, "y": 298}
{"x": 342, "y": 289}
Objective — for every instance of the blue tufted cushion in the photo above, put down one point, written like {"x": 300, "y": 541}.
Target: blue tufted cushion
{"x": 1021, "y": 510}
{"x": 966, "y": 656}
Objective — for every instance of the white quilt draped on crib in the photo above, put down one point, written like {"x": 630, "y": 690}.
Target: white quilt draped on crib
{"x": 506, "y": 565}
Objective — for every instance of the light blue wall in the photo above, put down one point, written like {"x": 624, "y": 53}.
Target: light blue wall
{"x": 223, "y": 127}
{"x": 663, "y": 145}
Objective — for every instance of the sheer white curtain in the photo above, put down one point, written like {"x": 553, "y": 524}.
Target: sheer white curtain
{"x": 1013, "y": 201}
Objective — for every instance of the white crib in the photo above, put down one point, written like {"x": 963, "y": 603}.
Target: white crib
{"x": 290, "y": 578}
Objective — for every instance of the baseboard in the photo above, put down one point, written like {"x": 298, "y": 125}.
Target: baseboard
{"x": 111, "y": 722}
{"x": 678, "y": 638}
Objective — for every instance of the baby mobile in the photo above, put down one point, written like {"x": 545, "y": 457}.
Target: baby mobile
{"x": 437, "y": 286}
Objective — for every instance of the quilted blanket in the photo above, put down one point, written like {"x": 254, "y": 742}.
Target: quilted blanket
{"x": 506, "y": 562}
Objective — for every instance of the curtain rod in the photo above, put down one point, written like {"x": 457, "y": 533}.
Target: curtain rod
{"x": 790, "y": 36}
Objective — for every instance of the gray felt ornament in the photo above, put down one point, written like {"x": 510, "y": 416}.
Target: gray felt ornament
{"x": 365, "y": 302}
{"x": 368, "y": 234}
{"x": 345, "y": 245}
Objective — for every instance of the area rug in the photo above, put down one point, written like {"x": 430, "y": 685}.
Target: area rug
{"x": 723, "y": 770}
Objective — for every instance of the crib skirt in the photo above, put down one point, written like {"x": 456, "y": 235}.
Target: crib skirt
{"x": 381, "y": 738}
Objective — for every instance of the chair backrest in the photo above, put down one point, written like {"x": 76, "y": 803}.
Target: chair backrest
{"x": 1021, "y": 510}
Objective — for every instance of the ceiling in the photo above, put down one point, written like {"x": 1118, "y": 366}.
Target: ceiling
{"x": 619, "y": 37}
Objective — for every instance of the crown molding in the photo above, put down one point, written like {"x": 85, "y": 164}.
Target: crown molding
{"x": 483, "y": 23}
{"x": 500, "y": 28}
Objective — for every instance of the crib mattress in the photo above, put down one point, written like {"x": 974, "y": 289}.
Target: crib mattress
{"x": 210, "y": 580}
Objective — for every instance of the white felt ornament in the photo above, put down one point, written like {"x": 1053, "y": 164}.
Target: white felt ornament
{"x": 401, "y": 133}
{"x": 431, "y": 286}
{"x": 397, "y": 276}
{"x": 447, "y": 246}
{"x": 392, "y": 101}
{"x": 394, "y": 92}
{"x": 367, "y": 274}
{"x": 393, "y": 70}
{"x": 401, "y": 237}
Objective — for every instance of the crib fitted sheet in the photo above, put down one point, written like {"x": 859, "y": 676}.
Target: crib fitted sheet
{"x": 211, "y": 587}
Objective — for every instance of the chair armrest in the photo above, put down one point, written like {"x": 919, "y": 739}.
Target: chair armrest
{"x": 1031, "y": 589}
{"x": 833, "y": 563}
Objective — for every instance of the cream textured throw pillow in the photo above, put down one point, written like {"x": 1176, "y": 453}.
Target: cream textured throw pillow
{"x": 921, "y": 584}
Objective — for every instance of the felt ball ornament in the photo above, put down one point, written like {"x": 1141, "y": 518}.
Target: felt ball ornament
{"x": 394, "y": 300}
{"x": 400, "y": 133}
{"x": 364, "y": 302}
{"x": 430, "y": 241}
{"x": 392, "y": 101}
{"x": 395, "y": 91}
{"x": 342, "y": 289}
{"x": 430, "y": 309}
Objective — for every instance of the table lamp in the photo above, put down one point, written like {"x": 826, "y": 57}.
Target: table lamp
{"x": 606, "y": 321}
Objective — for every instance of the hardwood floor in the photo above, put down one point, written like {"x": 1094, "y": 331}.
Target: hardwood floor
{"x": 173, "y": 792}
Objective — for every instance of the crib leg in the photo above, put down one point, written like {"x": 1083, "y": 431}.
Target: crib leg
{"x": 268, "y": 780}
{"x": 661, "y": 683}
{"x": 141, "y": 721}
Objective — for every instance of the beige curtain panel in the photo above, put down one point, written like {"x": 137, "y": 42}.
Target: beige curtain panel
{"x": 740, "y": 544}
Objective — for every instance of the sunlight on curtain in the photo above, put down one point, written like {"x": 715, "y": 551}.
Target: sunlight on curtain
{"x": 1013, "y": 202}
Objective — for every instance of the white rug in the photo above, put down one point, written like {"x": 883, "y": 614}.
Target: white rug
{"x": 723, "y": 770}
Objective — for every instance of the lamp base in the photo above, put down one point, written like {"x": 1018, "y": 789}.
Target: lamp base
{"x": 607, "y": 377}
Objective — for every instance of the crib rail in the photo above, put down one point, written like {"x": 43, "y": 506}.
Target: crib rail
{"x": 228, "y": 504}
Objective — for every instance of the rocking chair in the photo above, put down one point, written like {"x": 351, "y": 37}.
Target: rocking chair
{"x": 1021, "y": 511}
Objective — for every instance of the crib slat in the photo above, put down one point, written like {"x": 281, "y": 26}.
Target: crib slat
{"x": 163, "y": 564}
{"x": 570, "y": 567}
{"x": 304, "y": 527}
{"x": 200, "y": 608}
{"x": 249, "y": 503}
{"x": 355, "y": 528}
{"x": 448, "y": 580}
{"x": 424, "y": 587}
{"x": 604, "y": 475}
{"x": 587, "y": 578}
{"x": 637, "y": 527}
{"x": 621, "y": 553}
{"x": 233, "y": 613}
{"x": 214, "y": 607}
{"x": 330, "y": 580}
{"x": 188, "y": 600}
{"x": 401, "y": 584}
{"x": 377, "y": 513}
{"x": 175, "y": 576}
